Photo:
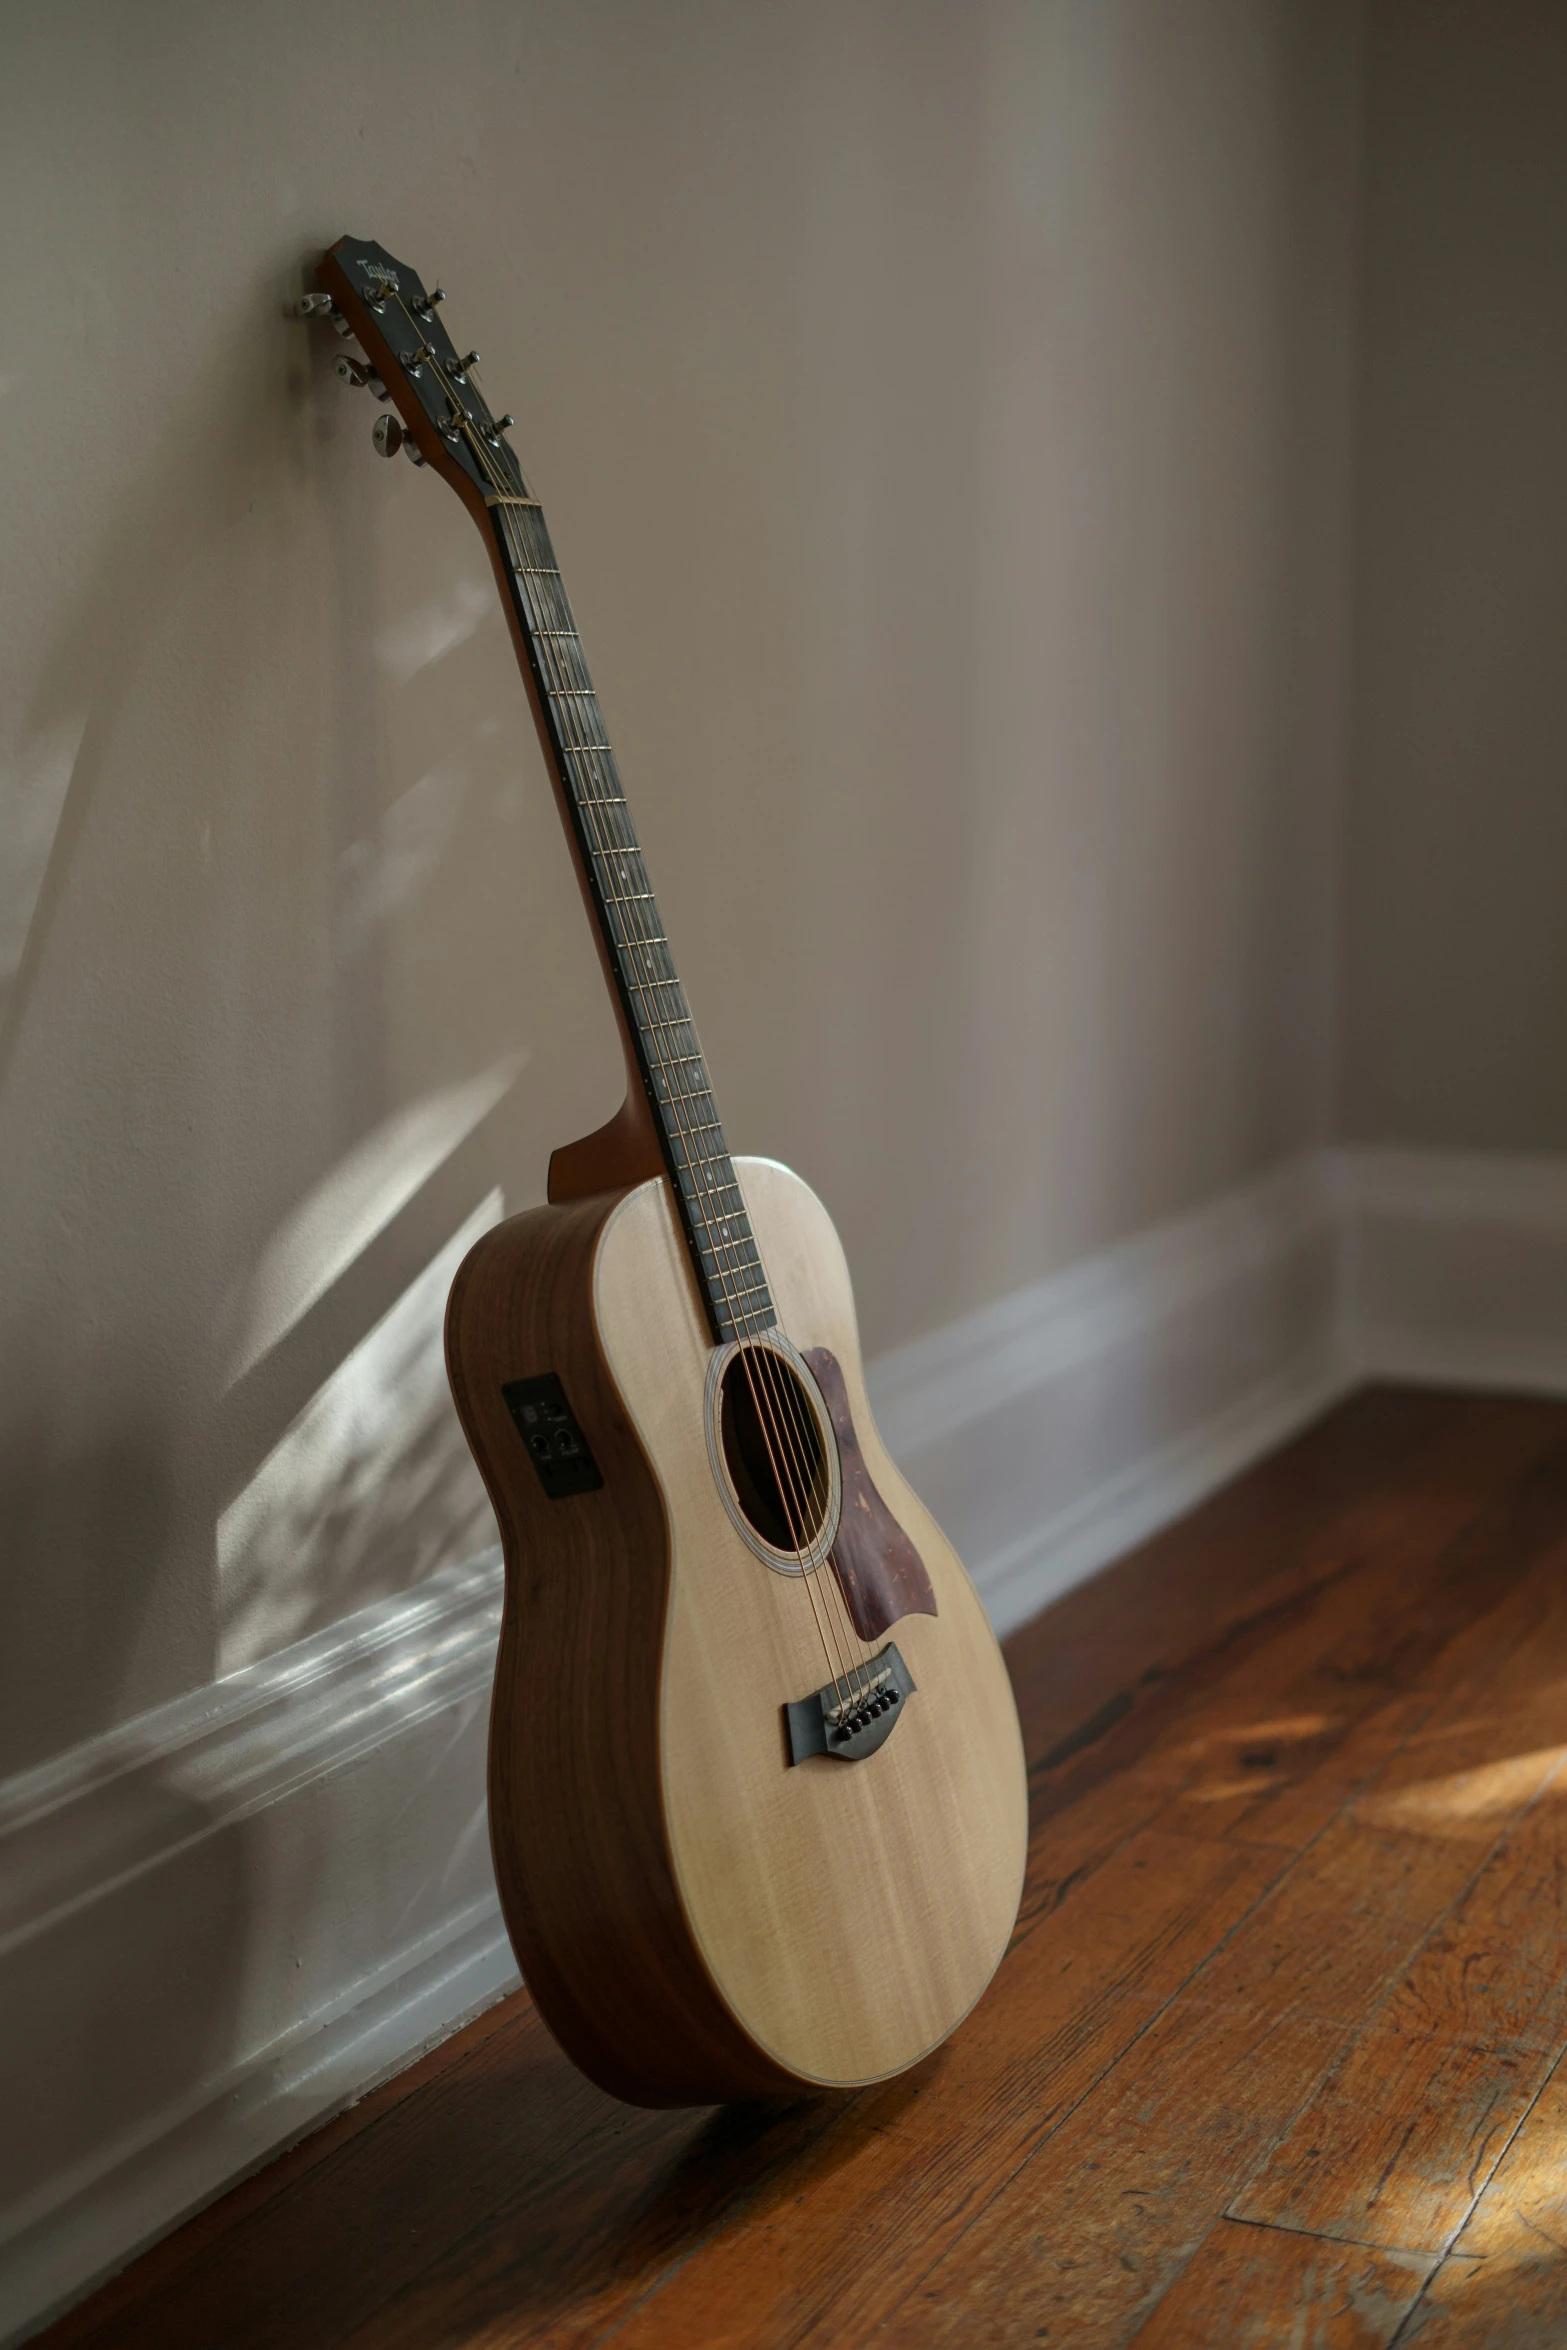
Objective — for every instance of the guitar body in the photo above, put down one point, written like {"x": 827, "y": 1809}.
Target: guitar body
{"x": 698, "y": 1915}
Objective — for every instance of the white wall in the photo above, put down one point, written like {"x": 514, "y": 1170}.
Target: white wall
{"x": 1455, "y": 1003}
{"x": 943, "y": 413}
{"x": 943, "y": 417}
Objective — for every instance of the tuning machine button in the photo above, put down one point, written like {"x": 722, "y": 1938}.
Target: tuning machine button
{"x": 390, "y": 434}
{"x": 310, "y": 306}
{"x": 354, "y": 371}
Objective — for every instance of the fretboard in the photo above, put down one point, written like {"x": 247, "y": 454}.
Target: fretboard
{"x": 723, "y": 1248}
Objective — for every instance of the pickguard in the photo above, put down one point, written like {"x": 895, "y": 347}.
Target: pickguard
{"x": 879, "y": 1571}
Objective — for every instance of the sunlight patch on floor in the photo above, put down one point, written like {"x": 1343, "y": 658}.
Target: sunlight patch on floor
{"x": 1465, "y": 1799}
{"x": 1289, "y": 1730}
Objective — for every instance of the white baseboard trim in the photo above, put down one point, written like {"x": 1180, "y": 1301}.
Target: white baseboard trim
{"x": 1054, "y": 1429}
{"x": 1111, "y": 1519}
{"x": 304, "y": 1843}
{"x": 1454, "y": 1268}
{"x": 191, "y": 2151}
{"x": 301, "y": 1848}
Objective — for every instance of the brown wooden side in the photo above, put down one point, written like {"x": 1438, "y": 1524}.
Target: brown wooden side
{"x": 576, "y": 1820}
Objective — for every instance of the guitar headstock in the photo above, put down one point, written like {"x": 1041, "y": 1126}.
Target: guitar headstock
{"x": 412, "y": 365}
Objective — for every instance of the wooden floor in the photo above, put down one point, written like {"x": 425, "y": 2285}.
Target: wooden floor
{"x": 1271, "y": 2059}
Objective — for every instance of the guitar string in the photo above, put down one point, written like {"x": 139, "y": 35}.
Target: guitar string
{"x": 781, "y": 1417}
{"x": 792, "y": 1476}
{"x": 569, "y": 718}
{"x": 778, "y": 1423}
{"x": 779, "y": 1410}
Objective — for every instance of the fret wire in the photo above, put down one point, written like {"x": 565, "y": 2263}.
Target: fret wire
{"x": 738, "y": 1242}
{"x": 713, "y": 1195}
{"x": 711, "y": 1201}
{"x": 701, "y": 1165}
{"x": 741, "y": 1245}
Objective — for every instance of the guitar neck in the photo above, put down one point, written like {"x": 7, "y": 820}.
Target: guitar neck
{"x": 653, "y": 1002}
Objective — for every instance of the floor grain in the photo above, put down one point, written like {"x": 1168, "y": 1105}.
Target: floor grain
{"x": 1273, "y": 2057}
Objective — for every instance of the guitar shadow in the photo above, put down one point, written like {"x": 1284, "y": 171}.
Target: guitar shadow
{"x": 511, "y": 2194}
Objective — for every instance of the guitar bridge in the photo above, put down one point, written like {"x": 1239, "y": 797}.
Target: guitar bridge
{"x": 854, "y": 1714}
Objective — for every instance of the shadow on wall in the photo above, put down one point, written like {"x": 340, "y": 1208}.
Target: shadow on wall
{"x": 196, "y": 1021}
{"x": 229, "y": 1218}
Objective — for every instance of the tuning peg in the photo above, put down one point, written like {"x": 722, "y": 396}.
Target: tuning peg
{"x": 435, "y": 296}
{"x": 505, "y": 423}
{"x": 471, "y": 360}
{"x": 310, "y": 306}
{"x": 390, "y": 434}
{"x": 354, "y": 371}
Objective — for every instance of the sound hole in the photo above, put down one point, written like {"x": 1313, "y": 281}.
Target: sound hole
{"x": 773, "y": 1449}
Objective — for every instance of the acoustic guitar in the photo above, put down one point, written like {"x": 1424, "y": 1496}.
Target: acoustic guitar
{"x": 756, "y": 1786}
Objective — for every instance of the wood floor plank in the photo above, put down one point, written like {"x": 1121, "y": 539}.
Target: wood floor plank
{"x": 1505, "y": 2287}
{"x": 1244, "y": 1549}
{"x": 1345, "y": 1922}
{"x": 512, "y": 2136}
{"x": 1522, "y": 2215}
{"x": 1322, "y": 1504}
{"x": 1254, "y": 2288}
{"x": 1491, "y": 2305}
{"x": 1083, "y": 2241}
{"x": 1403, "y": 2135}
{"x": 1397, "y": 2142}
{"x": 910, "y": 2163}
{"x": 1402, "y": 1581}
